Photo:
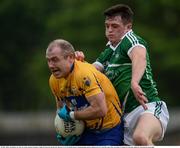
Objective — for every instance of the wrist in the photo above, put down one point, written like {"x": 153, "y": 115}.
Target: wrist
{"x": 134, "y": 83}
{"x": 71, "y": 114}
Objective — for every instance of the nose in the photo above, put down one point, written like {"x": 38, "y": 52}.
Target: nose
{"x": 50, "y": 64}
{"x": 109, "y": 29}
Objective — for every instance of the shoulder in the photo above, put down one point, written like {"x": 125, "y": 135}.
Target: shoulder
{"x": 87, "y": 78}
{"x": 83, "y": 68}
{"x": 132, "y": 40}
{"x": 84, "y": 72}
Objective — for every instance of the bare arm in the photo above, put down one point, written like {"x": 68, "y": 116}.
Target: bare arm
{"x": 101, "y": 69}
{"x": 138, "y": 58}
{"x": 97, "y": 108}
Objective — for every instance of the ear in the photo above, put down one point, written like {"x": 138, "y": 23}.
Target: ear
{"x": 71, "y": 58}
{"x": 129, "y": 26}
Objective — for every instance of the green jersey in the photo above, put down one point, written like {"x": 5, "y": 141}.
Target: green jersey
{"x": 118, "y": 68}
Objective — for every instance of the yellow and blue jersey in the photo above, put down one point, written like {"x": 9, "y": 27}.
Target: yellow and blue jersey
{"x": 85, "y": 81}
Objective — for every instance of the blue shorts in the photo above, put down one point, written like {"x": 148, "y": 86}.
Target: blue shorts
{"x": 111, "y": 137}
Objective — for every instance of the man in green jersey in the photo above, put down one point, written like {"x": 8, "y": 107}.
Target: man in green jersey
{"x": 126, "y": 63}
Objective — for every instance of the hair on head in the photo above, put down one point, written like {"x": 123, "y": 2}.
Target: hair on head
{"x": 120, "y": 10}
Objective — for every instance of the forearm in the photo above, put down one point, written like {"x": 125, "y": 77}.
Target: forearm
{"x": 89, "y": 114}
{"x": 138, "y": 58}
{"x": 97, "y": 108}
{"x": 138, "y": 68}
{"x": 98, "y": 66}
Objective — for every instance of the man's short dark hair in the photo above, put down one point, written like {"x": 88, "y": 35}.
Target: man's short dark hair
{"x": 120, "y": 10}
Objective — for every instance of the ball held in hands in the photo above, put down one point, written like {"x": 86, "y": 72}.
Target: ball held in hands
{"x": 68, "y": 128}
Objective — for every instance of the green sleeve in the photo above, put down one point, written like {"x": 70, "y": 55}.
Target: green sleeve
{"x": 105, "y": 56}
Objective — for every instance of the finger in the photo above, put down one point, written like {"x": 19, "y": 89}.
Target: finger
{"x": 143, "y": 105}
{"x": 144, "y": 99}
{"x": 74, "y": 139}
{"x": 79, "y": 55}
{"x": 141, "y": 92}
{"x": 70, "y": 140}
{"x": 142, "y": 95}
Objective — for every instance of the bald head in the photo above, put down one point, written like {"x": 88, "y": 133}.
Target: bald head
{"x": 65, "y": 47}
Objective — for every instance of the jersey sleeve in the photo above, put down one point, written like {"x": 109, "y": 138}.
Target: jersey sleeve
{"x": 131, "y": 41}
{"x": 89, "y": 82}
{"x": 104, "y": 57}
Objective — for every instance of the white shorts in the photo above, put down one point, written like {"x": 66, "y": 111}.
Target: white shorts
{"x": 158, "y": 109}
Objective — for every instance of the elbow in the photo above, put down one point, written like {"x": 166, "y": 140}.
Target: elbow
{"x": 103, "y": 112}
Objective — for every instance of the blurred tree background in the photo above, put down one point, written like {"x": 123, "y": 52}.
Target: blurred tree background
{"x": 28, "y": 26}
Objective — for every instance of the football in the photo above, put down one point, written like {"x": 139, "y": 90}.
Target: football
{"x": 68, "y": 128}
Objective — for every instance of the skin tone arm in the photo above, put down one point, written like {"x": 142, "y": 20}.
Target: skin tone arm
{"x": 97, "y": 108}
{"x": 138, "y": 58}
{"x": 98, "y": 67}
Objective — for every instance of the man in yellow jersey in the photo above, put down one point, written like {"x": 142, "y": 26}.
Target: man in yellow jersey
{"x": 84, "y": 93}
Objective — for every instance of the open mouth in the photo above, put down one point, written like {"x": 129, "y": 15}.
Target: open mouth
{"x": 55, "y": 71}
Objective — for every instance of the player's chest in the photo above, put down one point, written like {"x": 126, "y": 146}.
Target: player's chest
{"x": 74, "y": 96}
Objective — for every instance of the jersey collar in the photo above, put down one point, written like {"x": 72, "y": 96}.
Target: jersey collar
{"x": 114, "y": 48}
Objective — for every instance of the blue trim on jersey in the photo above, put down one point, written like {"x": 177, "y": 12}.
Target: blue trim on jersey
{"x": 80, "y": 102}
{"x": 72, "y": 67}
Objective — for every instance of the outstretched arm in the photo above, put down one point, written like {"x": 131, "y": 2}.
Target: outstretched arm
{"x": 138, "y": 58}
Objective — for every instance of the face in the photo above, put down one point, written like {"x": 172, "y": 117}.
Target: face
{"x": 58, "y": 65}
{"x": 115, "y": 29}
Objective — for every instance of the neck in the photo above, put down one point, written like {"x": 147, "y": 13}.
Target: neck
{"x": 115, "y": 44}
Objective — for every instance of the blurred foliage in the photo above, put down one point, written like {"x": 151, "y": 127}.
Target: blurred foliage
{"x": 28, "y": 26}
